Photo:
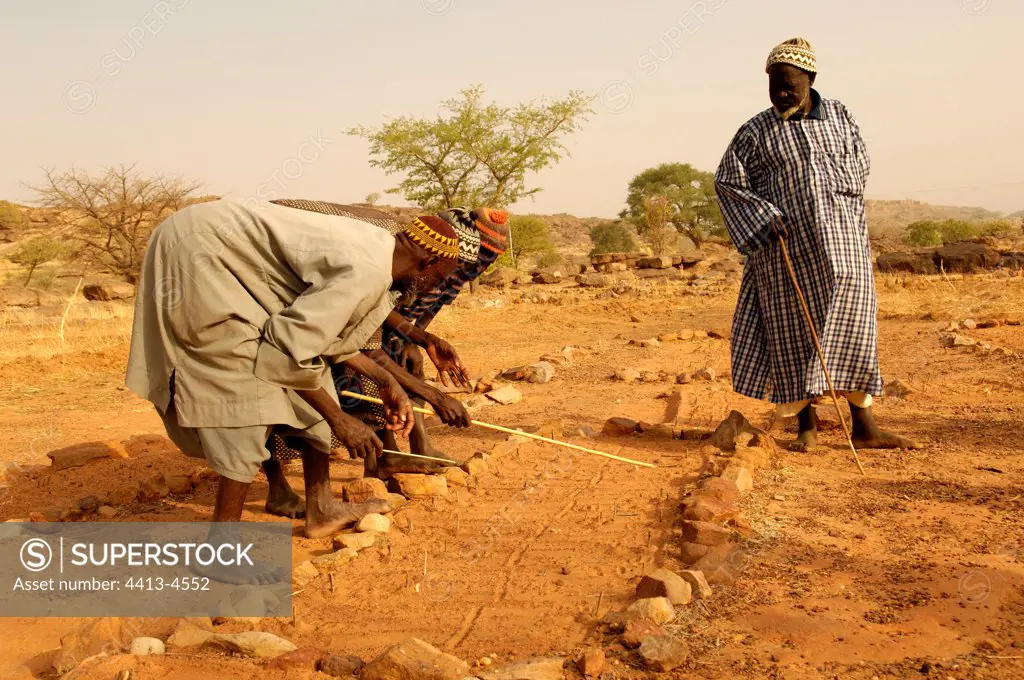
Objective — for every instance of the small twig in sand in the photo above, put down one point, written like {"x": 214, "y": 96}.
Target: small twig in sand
{"x": 71, "y": 301}
{"x": 424, "y": 563}
{"x": 600, "y": 596}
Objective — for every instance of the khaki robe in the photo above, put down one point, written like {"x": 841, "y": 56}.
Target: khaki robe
{"x": 241, "y": 305}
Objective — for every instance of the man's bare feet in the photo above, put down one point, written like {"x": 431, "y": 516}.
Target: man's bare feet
{"x": 867, "y": 434}
{"x": 807, "y": 438}
{"x": 333, "y": 517}
{"x": 281, "y": 500}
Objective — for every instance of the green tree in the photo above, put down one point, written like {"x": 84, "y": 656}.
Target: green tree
{"x": 612, "y": 237}
{"x": 372, "y": 198}
{"x": 10, "y": 215}
{"x": 474, "y": 153}
{"x": 528, "y": 235}
{"x": 693, "y": 204}
{"x": 37, "y": 251}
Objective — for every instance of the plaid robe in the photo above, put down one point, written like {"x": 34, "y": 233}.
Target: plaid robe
{"x": 811, "y": 172}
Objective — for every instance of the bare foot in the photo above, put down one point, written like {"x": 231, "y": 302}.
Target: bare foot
{"x": 336, "y": 516}
{"x": 805, "y": 441}
{"x": 389, "y": 464}
{"x": 291, "y": 506}
{"x": 885, "y": 440}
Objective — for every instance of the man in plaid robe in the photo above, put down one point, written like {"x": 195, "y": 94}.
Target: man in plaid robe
{"x": 798, "y": 170}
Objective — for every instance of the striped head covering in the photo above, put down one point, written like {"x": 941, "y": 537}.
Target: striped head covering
{"x": 374, "y": 217}
{"x": 435, "y": 235}
{"x": 795, "y": 52}
{"x": 493, "y": 227}
{"x": 469, "y": 235}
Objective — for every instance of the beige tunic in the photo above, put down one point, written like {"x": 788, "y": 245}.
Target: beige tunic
{"x": 244, "y": 304}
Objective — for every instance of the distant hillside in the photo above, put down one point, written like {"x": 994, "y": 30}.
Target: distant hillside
{"x": 885, "y": 217}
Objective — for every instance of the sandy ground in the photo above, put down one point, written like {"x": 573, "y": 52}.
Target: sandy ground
{"x": 914, "y": 570}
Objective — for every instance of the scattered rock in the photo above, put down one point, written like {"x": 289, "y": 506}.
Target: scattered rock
{"x": 701, "y": 508}
{"x": 664, "y": 583}
{"x": 88, "y": 505}
{"x": 501, "y": 277}
{"x": 683, "y": 378}
{"x": 549, "y": 277}
{"x": 147, "y": 646}
{"x": 364, "y": 489}
{"x": 662, "y": 653}
{"x": 374, "y": 522}
{"x": 990, "y": 323}
{"x": 456, "y": 477}
{"x": 660, "y": 431}
{"x": 958, "y": 340}
{"x": 308, "y": 658}
{"x": 106, "y": 512}
{"x": 627, "y": 375}
{"x": 396, "y": 501}
{"x": 968, "y": 324}
{"x": 340, "y": 666}
{"x": 686, "y": 334}
{"x": 303, "y": 573}
{"x": 705, "y": 533}
{"x": 691, "y": 552}
{"x": 420, "y": 486}
{"x": 657, "y": 609}
{"x": 539, "y": 373}
{"x": 720, "y": 333}
{"x": 899, "y": 389}
{"x": 178, "y": 484}
{"x": 965, "y": 257}
{"x": 476, "y": 465}
{"x": 913, "y": 263}
{"x": 506, "y": 396}
{"x": 705, "y": 374}
{"x": 154, "y": 488}
{"x": 333, "y": 560}
{"x": 668, "y": 337}
{"x": 654, "y": 263}
{"x": 636, "y": 630}
{"x": 357, "y": 542}
{"x": 698, "y": 583}
{"x": 477, "y": 403}
{"x": 77, "y": 455}
{"x": 414, "y": 659}
{"x": 740, "y": 476}
{"x": 989, "y": 645}
{"x": 619, "y": 427}
{"x": 592, "y": 662}
{"x": 252, "y": 643}
{"x": 650, "y": 342}
{"x": 719, "y": 489}
{"x": 529, "y": 669}
{"x": 104, "y": 292}
{"x": 594, "y": 280}
{"x": 87, "y": 640}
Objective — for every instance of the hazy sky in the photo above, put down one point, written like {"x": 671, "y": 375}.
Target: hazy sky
{"x": 227, "y": 91}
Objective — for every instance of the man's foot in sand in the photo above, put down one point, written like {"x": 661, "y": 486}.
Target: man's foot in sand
{"x": 805, "y": 441}
{"x": 291, "y": 506}
{"x": 867, "y": 434}
{"x": 336, "y": 516}
{"x": 390, "y": 464}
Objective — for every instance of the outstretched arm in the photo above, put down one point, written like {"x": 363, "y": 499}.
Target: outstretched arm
{"x": 445, "y": 358}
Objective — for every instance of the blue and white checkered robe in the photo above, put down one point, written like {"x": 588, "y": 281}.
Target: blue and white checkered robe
{"x": 811, "y": 172}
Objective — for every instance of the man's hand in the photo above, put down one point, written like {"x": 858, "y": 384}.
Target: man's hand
{"x": 450, "y": 410}
{"x": 779, "y": 228}
{"x": 446, "y": 359}
{"x": 397, "y": 407}
{"x": 357, "y": 437}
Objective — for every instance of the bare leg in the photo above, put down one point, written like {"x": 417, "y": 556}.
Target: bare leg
{"x": 867, "y": 434}
{"x": 807, "y": 438}
{"x": 230, "y": 500}
{"x": 324, "y": 514}
{"x": 390, "y": 464}
{"x": 281, "y": 499}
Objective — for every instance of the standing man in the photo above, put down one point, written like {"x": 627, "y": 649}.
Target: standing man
{"x": 797, "y": 171}
{"x": 241, "y": 310}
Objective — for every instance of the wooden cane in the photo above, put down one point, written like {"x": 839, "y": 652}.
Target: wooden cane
{"x": 821, "y": 354}
{"x": 520, "y": 433}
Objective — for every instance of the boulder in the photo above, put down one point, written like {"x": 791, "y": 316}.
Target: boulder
{"x": 178, "y": 484}
{"x": 338, "y": 666}
{"x": 105, "y": 292}
{"x": 548, "y": 276}
{"x": 698, "y": 583}
{"x": 740, "y": 476}
{"x": 420, "y": 486}
{"x": 364, "y": 489}
{"x": 539, "y": 373}
{"x": 528, "y": 669}
{"x": 656, "y": 609}
{"x": 701, "y": 508}
{"x": 357, "y": 542}
{"x": 147, "y": 646}
{"x": 626, "y": 375}
{"x": 77, "y": 455}
{"x": 476, "y": 465}
{"x": 255, "y": 644}
{"x": 654, "y": 263}
{"x": 592, "y": 662}
{"x": 501, "y": 277}
{"x": 303, "y": 573}
{"x": 506, "y": 396}
{"x": 89, "y": 639}
{"x": 662, "y": 653}
{"x": 457, "y": 477}
{"x": 664, "y": 583}
{"x": 911, "y": 263}
{"x": 414, "y": 659}
{"x": 303, "y": 658}
{"x": 705, "y": 533}
{"x": 374, "y": 523}
{"x": 620, "y": 427}
{"x": 965, "y": 257}
{"x": 594, "y": 280}
{"x": 636, "y": 630}
{"x": 154, "y": 488}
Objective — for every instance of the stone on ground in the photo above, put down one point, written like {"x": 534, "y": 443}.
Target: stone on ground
{"x": 333, "y": 560}
{"x": 592, "y": 662}
{"x": 899, "y": 389}
{"x": 396, "y": 501}
{"x": 105, "y": 292}
{"x": 719, "y": 489}
{"x": 636, "y": 630}
{"x": 594, "y": 280}
{"x": 364, "y": 489}
{"x": 700, "y": 508}
{"x": 662, "y": 653}
{"x": 529, "y": 669}
{"x": 308, "y": 658}
{"x": 740, "y": 476}
{"x": 147, "y": 646}
{"x": 357, "y": 542}
{"x": 620, "y": 427}
{"x": 77, "y": 455}
{"x": 477, "y": 403}
{"x": 668, "y": 337}
{"x": 660, "y": 431}
{"x": 476, "y": 465}
{"x": 178, "y": 484}
{"x": 414, "y": 659}
{"x": 650, "y": 342}
{"x": 705, "y": 533}
{"x": 338, "y": 666}
{"x": 87, "y": 640}
{"x": 664, "y": 583}
{"x": 506, "y": 396}
{"x": 654, "y": 263}
{"x": 456, "y": 477}
{"x": 627, "y": 375}
{"x": 705, "y": 374}
{"x": 88, "y": 505}
{"x": 420, "y": 486}
{"x": 539, "y": 373}
{"x": 374, "y": 522}
{"x": 692, "y": 552}
{"x": 657, "y": 609}
{"x": 154, "y": 488}
{"x": 255, "y": 644}
{"x": 303, "y": 573}
{"x": 698, "y": 584}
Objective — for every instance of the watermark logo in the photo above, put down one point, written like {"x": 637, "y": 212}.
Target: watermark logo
{"x": 36, "y": 555}
{"x": 974, "y": 587}
{"x": 79, "y": 96}
{"x": 975, "y": 6}
{"x": 617, "y": 96}
{"x": 438, "y": 7}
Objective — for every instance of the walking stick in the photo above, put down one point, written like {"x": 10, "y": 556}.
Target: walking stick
{"x": 817, "y": 346}
{"x": 519, "y": 433}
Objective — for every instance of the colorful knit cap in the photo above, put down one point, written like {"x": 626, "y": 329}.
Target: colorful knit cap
{"x": 493, "y": 227}
{"x": 435, "y": 235}
{"x": 795, "y": 52}
{"x": 469, "y": 236}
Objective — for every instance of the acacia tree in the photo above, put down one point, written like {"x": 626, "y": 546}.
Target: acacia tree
{"x": 474, "y": 153}
{"x": 35, "y": 252}
{"x": 656, "y": 212}
{"x": 692, "y": 202}
{"x": 110, "y": 215}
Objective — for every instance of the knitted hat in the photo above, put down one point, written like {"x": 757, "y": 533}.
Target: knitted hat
{"x": 469, "y": 236}
{"x": 493, "y": 227}
{"x": 795, "y": 52}
{"x": 435, "y": 235}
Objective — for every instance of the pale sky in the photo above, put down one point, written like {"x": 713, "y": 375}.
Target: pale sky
{"x": 227, "y": 91}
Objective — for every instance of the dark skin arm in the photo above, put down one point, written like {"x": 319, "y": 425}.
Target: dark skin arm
{"x": 441, "y": 353}
{"x": 449, "y": 410}
{"x": 396, "y": 403}
{"x": 357, "y": 437}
